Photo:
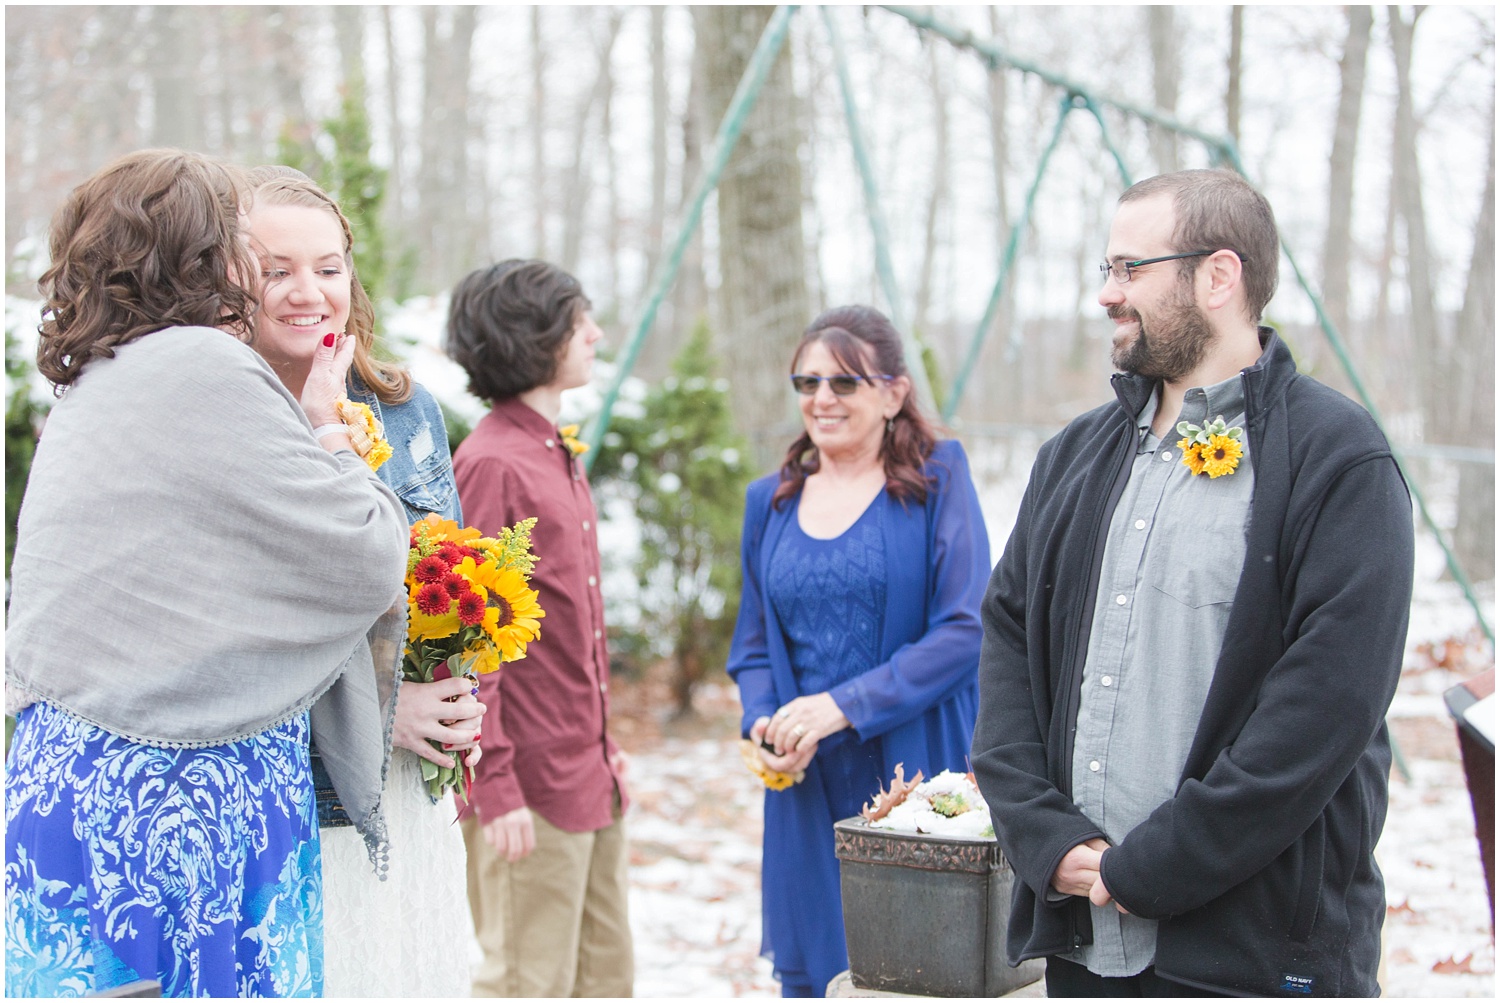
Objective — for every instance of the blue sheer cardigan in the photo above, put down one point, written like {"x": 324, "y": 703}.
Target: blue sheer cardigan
{"x": 922, "y": 699}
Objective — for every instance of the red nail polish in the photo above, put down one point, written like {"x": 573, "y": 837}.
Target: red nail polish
{"x": 328, "y": 339}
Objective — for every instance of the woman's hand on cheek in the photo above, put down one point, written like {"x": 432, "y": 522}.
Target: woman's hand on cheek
{"x": 325, "y": 380}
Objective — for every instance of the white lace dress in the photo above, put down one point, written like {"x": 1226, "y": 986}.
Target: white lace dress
{"x": 410, "y": 934}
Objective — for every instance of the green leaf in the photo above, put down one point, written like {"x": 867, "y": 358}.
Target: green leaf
{"x": 429, "y": 771}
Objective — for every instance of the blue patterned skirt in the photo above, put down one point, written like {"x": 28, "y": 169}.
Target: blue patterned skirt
{"x": 195, "y": 867}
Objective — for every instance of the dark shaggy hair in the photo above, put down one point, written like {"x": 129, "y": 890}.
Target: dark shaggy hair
{"x": 1219, "y": 209}
{"x": 151, "y": 241}
{"x": 277, "y": 185}
{"x": 865, "y": 344}
{"x": 509, "y": 324}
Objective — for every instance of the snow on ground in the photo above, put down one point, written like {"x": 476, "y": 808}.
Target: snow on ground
{"x": 695, "y": 827}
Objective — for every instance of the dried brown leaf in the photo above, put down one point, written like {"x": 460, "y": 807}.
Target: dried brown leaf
{"x": 888, "y": 799}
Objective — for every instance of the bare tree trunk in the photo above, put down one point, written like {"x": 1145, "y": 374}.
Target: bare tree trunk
{"x": 611, "y": 186}
{"x": 937, "y": 195}
{"x": 1008, "y": 379}
{"x": 1474, "y": 372}
{"x": 1341, "y": 167}
{"x": 1236, "y": 50}
{"x": 1427, "y": 336}
{"x": 1166, "y": 72}
{"x": 287, "y": 22}
{"x": 446, "y": 234}
{"x": 395, "y": 210}
{"x": 579, "y": 177}
{"x": 538, "y": 136}
{"x": 762, "y": 257}
{"x": 174, "y": 78}
{"x": 660, "y": 111}
{"x": 349, "y": 32}
{"x": 690, "y": 291}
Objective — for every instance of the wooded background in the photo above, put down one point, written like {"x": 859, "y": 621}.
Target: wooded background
{"x": 574, "y": 133}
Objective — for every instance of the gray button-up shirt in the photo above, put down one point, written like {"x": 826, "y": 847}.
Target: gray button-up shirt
{"x": 1171, "y": 566}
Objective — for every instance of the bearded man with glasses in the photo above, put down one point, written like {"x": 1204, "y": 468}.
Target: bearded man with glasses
{"x": 1192, "y": 640}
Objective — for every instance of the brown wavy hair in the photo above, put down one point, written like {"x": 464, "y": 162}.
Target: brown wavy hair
{"x": 864, "y": 343}
{"x": 151, "y": 241}
{"x": 277, "y": 185}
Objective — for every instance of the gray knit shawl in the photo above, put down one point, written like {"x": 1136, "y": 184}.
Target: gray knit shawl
{"x": 192, "y": 568}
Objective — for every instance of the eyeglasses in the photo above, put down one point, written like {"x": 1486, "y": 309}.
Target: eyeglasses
{"x": 842, "y": 384}
{"x": 1121, "y": 269}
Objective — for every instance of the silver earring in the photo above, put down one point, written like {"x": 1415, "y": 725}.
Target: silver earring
{"x": 890, "y": 425}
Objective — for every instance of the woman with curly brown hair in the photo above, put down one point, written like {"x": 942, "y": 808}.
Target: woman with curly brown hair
{"x": 192, "y": 574}
{"x": 857, "y": 644}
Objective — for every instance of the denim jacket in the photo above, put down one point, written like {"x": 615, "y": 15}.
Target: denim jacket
{"x": 420, "y": 471}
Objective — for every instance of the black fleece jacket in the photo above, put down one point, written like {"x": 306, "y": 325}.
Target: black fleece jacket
{"x": 1261, "y": 867}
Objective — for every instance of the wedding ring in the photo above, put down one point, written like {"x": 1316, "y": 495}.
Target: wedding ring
{"x": 798, "y": 730}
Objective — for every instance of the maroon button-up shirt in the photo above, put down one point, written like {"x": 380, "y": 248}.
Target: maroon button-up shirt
{"x": 544, "y": 735}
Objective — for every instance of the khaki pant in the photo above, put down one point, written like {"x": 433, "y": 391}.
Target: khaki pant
{"x": 555, "y": 923}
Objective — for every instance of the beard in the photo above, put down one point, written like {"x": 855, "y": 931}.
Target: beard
{"x": 1178, "y": 338}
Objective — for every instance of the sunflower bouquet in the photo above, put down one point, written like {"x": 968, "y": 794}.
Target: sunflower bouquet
{"x": 468, "y": 610}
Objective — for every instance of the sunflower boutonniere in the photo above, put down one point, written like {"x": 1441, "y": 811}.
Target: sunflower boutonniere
{"x": 365, "y": 431}
{"x": 570, "y": 439}
{"x": 1214, "y": 449}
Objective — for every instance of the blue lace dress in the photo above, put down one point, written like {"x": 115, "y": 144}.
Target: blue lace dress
{"x": 195, "y": 867}
{"x": 830, "y": 597}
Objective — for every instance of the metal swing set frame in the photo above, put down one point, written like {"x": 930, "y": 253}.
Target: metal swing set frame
{"x": 1075, "y": 97}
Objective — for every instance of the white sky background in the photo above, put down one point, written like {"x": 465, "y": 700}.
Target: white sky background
{"x": 1290, "y": 91}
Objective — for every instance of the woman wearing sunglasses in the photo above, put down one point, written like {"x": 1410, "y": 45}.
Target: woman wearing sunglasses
{"x": 865, "y": 559}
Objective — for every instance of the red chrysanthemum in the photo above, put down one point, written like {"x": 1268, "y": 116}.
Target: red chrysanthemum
{"x": 471, "y": 609}
{"x": 454, "y": 585}
{"x": 452, "y": 553}
{"x": 431, "y": 568}
{"x": 478, "y": 555}
{"x": 433, "y": 599}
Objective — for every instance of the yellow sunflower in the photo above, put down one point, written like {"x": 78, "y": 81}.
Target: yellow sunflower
{"x": 1221, "y": 455}
{"x": 485, "y": 658}
{"x": 421, "y": 627}
{"x": 570, "y": 439}
{"x": 437, "y": 528}
{"x": 378, "y": 454}
{"x": 773, "y": 779}
{"x": 511, "y": 620}
{"x": 1192, "y": 455}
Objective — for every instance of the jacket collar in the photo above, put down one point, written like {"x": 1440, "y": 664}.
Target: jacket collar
{"x": 1264, "y": 381}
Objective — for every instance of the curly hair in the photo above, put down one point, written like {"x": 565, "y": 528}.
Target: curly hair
{"x": 509, "y": 324}
{"x": 864, "y": 342}
{"x": 151, "y": 241}
{"x": 277, "y": 185}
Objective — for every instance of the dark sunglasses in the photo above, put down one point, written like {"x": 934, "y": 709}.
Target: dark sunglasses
{"x": 842, "y": 384}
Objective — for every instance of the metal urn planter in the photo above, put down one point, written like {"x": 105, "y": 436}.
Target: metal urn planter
{"x": 926, "y": 914}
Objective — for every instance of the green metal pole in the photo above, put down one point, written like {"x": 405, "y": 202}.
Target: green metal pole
{"x": 964, "y": 38}
{"x": 761, "y": 60}
{"x": 1225, "y": 151}
{"x": 1007, "y": 260}
{"x": 917, "y": 366}
{"x": 1109, "y": 144}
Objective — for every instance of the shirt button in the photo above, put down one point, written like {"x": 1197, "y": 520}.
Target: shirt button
{"x": 1107, "y": 681}
{"x": 1121, "y": 600}
{"x": 1166, "y": 457}
{"x": 593, "y": 581}
{"x": 550, "y": 444}
{"x": 604, "y": 687}
{"x": 1140, "y": 524}
{"x": 598, "y": 634}
{"x": 1094, "y": 766}
{"x": 585, "y": 525}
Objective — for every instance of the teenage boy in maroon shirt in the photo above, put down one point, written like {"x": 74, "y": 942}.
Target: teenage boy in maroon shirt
{"x": 545, "y": 830}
